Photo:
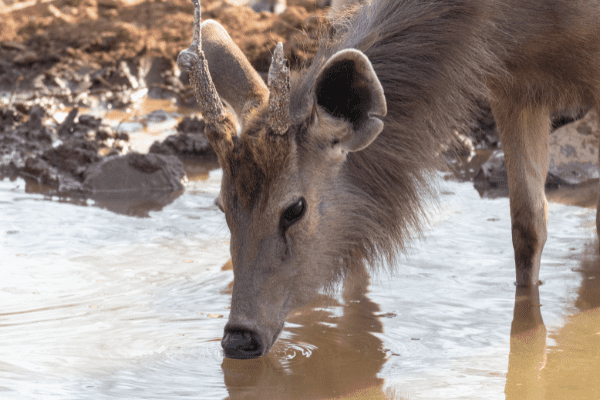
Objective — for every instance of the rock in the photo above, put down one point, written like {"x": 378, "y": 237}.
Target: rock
{"x": 55, "y": 156}
{"x": 135, "y": 184}
{"x": 73, "y": 157}
{"x": 191, "y": 125}
{"x": 574, "y": 150}
{"x": 10, "y": 117}
{"x": 276, "y": 6}
{"x": 189, "y": 141}
{"x": 67, "y": 125}
{"x": 19, "y": 139}
{"x": 573, "y": 157}
{"x": 157, "y": 116}
{"x": 90, "y": 121}
{"x": 79, "y": 157}
{"x": 493, "y": 176}
{"x": 37, "y": 168}
{"x": 184, "y": 144}
{"x": 493, "y": 172}
{"x": 43, "y": 172}
{"x": 135, "y": 172}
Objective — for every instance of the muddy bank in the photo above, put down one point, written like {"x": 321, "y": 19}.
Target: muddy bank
{"x": 109, "y": 54}
{"x": 84, "y": 55}
{"x": 83, "y": 157}
{"x": 88, "y": 53}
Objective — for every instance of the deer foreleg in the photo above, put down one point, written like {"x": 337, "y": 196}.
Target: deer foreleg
{"x": 524, "y": 132}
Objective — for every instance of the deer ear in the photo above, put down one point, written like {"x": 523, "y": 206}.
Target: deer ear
{"x": 347, "y": 88}
{"x": 236, "y": 81}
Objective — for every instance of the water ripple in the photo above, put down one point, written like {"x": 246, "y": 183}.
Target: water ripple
{"x": 101, "y": 305}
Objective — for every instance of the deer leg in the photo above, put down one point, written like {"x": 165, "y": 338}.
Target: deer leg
{"x": 524, "y": 132}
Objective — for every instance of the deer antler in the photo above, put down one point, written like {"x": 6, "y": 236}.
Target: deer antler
{"x": 279, "y": 96}
{"x": 219, "y": 122}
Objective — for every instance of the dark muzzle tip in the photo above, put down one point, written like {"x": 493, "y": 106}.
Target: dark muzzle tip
{"x": 241, "y": 344}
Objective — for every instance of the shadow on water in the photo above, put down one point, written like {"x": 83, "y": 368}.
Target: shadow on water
{"x": 140, "y": 203}
{"x": 324, "y": 356}
{"x": 569, "y": 368}
{"x": 133, "y": 203}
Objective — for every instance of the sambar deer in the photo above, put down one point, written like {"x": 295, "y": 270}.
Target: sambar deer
{"x": 331, "y": 169}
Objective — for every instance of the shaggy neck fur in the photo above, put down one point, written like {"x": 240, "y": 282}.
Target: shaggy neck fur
{"x": 431, "y": 59}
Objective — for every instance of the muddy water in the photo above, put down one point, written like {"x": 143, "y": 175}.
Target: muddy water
{"x": 95, "y": 304}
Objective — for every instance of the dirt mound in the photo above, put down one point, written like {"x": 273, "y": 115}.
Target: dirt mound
{"x": 86, "y": 51}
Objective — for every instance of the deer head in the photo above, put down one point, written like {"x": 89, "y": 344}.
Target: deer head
{"x": 286, "y": 198}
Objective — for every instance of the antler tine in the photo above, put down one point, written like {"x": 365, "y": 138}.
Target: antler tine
{"x": 193, "y": 61}
{"x": 279, "y": 96}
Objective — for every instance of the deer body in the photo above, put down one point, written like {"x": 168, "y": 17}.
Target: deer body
{"x": 331, "y": 170}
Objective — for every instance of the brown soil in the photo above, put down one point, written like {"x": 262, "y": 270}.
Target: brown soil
{"x": 99, "y": 54}
{"x": 52, "y": 44}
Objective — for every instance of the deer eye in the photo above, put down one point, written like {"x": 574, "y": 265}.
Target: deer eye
{"x": 292, "y": 214}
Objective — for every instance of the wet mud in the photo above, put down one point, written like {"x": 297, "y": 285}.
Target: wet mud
{"x": 88, "y": 56}
{"x": 83, "y": 157}
{"x": 88, "y": 53}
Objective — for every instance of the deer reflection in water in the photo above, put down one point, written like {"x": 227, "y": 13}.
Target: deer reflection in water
{"x": 569, "y": 369}
{"x": 347, "y": 357}
{"x": 346, "y": 360}
{"x": 527, "y": 356}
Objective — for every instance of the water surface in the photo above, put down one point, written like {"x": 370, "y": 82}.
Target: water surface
{"x": 95, "y": 304}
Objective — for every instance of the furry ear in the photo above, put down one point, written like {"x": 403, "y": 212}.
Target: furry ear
{"x": 235, "y": 79}
{"x": 348, "y": 89}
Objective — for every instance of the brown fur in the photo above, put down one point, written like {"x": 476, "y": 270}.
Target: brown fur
{"x": 259, "y": 159}
{"x": 419, "y": 50}
{"x": 433, "y": 59}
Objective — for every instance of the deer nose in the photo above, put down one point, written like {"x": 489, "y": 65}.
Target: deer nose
{"x": 241, "y": 344}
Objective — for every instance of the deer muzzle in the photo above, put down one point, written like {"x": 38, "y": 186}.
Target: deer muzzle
{"x": 243, "y": 342}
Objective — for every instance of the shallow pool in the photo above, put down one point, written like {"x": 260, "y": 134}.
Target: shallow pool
{"x": 95, "y": 304}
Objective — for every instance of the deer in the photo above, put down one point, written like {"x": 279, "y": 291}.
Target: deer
{"x": 328, "y": 168}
